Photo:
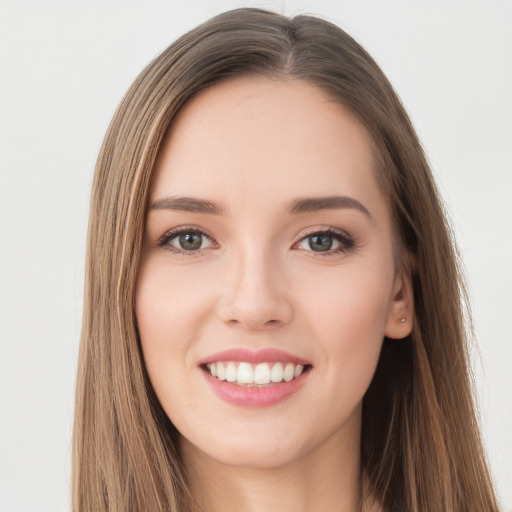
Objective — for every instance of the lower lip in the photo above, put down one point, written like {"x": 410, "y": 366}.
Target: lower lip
{"x": 255, "y": 397}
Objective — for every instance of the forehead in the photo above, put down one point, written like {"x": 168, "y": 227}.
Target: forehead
{"x": 279, "y": 139}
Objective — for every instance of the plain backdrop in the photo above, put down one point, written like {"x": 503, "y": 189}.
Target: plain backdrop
{"x": 64, "y": 67}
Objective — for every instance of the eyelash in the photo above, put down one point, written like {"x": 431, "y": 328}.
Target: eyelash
{"x": 165, "y": 240}
{"x": 346, "y": 242}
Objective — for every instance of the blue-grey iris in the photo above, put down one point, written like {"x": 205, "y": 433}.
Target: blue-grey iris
{"x": 320, "y": 243}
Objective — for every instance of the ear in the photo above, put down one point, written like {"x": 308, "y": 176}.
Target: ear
{"x": 401, "y": 310}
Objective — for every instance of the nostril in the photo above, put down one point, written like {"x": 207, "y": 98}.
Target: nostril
{"x": 254, "y": 312}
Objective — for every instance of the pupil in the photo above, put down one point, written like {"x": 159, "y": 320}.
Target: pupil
{"x": 190, "y": 241}
{"x": 320, "y": 243}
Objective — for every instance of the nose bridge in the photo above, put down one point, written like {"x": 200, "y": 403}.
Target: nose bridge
{"x": 255, "y": 297}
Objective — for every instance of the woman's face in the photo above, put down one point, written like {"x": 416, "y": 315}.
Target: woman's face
{"x": 268, "y": 261}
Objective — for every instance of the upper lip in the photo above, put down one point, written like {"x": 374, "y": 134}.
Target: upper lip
{"x": 266, "y": 355}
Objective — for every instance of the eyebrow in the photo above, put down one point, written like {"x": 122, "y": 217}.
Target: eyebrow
{"x": 300, "y": 205}
{"x": 187, "y": 204}
{"x": 313, "y": 204}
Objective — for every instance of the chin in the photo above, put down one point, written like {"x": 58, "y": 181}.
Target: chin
{"x": 255, "y": 453}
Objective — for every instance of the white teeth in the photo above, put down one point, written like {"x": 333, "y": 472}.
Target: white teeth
{"x": 276, "y": 375}
{"x": 289, "y": 372}
{"x": 262, "y": 374}
{"x": 245, "y": 374}
{"x": 221, "y": 372}
{"x": 231, "y": 372}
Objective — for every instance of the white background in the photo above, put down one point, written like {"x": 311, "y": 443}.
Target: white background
{"x": 64, "y": 67}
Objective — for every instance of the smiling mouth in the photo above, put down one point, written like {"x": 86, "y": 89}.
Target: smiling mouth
{"x": 255, "y": 375}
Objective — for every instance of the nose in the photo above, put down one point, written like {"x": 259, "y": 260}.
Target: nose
{"x": 256, "y": 296}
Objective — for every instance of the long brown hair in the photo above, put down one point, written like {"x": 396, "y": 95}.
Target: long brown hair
{"x": 421, "y": 447}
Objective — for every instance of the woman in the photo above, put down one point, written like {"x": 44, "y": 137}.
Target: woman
{"x": 272, "y": 313}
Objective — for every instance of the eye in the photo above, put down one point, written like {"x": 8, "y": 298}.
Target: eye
{"x": 185, "y": 240}
{"x": 326, "y": 241}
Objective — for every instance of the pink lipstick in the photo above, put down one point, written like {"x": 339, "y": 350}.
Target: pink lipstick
{"x": 254, "y": 379}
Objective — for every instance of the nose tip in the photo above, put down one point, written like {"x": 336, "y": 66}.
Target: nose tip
{"x": 256, "y": 302}
{"x": 255, "y": 318}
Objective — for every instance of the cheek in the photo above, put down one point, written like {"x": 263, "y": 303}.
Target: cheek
{"x": 166, "y": 320}
{"x": 169, "y": 307}
{"x": 164, "y": 323}
{"x": 352, "y": 299}
{"x": 349, "y": 320}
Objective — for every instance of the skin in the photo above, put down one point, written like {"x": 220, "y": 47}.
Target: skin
{"x": 252, "y": 146}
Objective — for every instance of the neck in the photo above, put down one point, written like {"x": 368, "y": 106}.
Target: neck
{"x": 327, "y": 479}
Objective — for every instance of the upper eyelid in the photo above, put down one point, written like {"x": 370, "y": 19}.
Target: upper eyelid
{"x": 302, "y": 234}
{"x": 322, "y": 229}
{"x": 164, "y": 242}
{"x": 172, "y": 233}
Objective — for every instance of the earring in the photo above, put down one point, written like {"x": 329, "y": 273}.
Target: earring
{"x": 402, "y": 321}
